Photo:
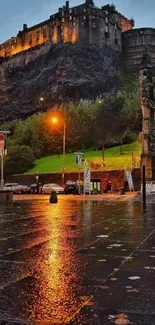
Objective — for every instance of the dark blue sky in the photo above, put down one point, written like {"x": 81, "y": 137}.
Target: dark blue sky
{"x": 13, "y": 13}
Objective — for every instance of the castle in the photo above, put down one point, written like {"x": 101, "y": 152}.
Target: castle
{"x": 90, "y": 25}
{"x": 84, "y": 23}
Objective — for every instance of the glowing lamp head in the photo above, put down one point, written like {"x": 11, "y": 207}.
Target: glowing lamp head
{"x": 41, "y": 99}
{"x": 54, "y": 120}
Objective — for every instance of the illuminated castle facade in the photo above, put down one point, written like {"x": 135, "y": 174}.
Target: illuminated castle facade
{"x": 85, "y": 23}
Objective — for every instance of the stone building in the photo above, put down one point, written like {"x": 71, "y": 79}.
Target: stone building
{"x": 147, "y": 88}
{"x": 85, "y": 23}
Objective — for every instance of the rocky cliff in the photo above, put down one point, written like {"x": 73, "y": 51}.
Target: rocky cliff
{"x": 56, "y": 73}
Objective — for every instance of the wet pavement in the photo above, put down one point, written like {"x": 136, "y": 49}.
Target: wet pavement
{"x": 78, "y": 262}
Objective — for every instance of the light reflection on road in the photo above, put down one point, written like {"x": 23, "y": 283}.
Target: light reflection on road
{"x": 53, "y": 256}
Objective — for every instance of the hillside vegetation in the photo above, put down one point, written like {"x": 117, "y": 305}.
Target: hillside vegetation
{"x": 109, "y": 120}
{"x": 113, "y": 159}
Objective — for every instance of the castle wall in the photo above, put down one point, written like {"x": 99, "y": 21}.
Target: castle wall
{"x": 24, "y": 58}
{"x": 134, "y": 43}
{"x": 25, "y": 40}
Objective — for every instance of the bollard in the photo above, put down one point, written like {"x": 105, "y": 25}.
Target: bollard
{"x": 53, "y": 197}
{"x": 95, "y": 191}
{"x": 122, "y": 191}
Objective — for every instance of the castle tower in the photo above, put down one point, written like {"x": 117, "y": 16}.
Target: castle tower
{"x": 89, "y": 2}
{"x": 148, "y": 111}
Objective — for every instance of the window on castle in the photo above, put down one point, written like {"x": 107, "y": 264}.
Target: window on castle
{"x": 106, "y": 20}
{"x": 30, "y": 39}
{"x": 13, "y": 44}
{"x": 63, "y": 20}
{"x": 107, "y": 29}
{"x": 44, "y": 33}
{"x": 74, "y": 23}
{"x": 37, "y": 36}
{"x": 84, "y": 10}
{"x": 74, "y": 18}
{"x": 70, "y": 11}
{"x": 70, "y": 17}
{"x": 23, "y": 41}
{"x": 84, "y": 17}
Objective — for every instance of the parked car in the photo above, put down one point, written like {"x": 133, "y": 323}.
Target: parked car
{"x": 47, "y": 188}
{"x": 22, "y": 189}
{"x": 10, "y": 187}
{"x": 36, "y": 188}
{"x": 72, "y": 187}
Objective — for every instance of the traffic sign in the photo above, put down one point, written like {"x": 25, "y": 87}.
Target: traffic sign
{"x": 130, "y": 180}
{"x": 2, "y": 141}
{"x": 87, "y": 176}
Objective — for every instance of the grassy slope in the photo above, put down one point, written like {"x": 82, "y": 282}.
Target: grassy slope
{"x": 113, "y": 159}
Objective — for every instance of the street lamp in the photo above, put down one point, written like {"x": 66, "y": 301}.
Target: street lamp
{"x": 55, "y": 121}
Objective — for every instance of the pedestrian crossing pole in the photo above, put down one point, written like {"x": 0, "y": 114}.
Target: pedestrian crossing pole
{"x": 3, "y": 151}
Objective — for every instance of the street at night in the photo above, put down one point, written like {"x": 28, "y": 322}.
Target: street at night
{"x": 88, "y": 262}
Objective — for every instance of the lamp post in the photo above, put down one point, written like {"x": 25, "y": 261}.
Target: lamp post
{"x": 55, "y": 121}
{"x": 121, "y": 148}
{"x": 64, "y": 154}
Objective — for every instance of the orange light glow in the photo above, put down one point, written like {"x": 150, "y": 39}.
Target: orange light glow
{"x": 54, "y": 120}
{"x": 55, "y": 36}
{"x": 74, "y": 36}
{"x": 66, "y": 35}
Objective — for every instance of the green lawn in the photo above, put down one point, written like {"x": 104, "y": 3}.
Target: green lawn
{"x": 113, "y": 159}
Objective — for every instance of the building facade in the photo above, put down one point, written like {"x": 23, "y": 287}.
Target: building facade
{"x": 85, "y": 23}
{"x": 147, "y": 90}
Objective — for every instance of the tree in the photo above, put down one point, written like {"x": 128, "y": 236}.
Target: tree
{"x": 127, "y": 136}
{"x": 130, "y": 112}
{"x": 19, "y": 159}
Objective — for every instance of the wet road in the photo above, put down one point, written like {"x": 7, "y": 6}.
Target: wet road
{"x": 77, "y": 262}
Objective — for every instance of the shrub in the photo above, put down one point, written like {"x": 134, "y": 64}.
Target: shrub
{"x": 19, "y": 159}
{"x": 97, "y": 165}
{"x": 127, "y": 137}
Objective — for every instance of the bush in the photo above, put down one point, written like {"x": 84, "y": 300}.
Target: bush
{"x": 97, "y": 165}
{"x": 19, "y": 159}
{"x": 127, "y": 137}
